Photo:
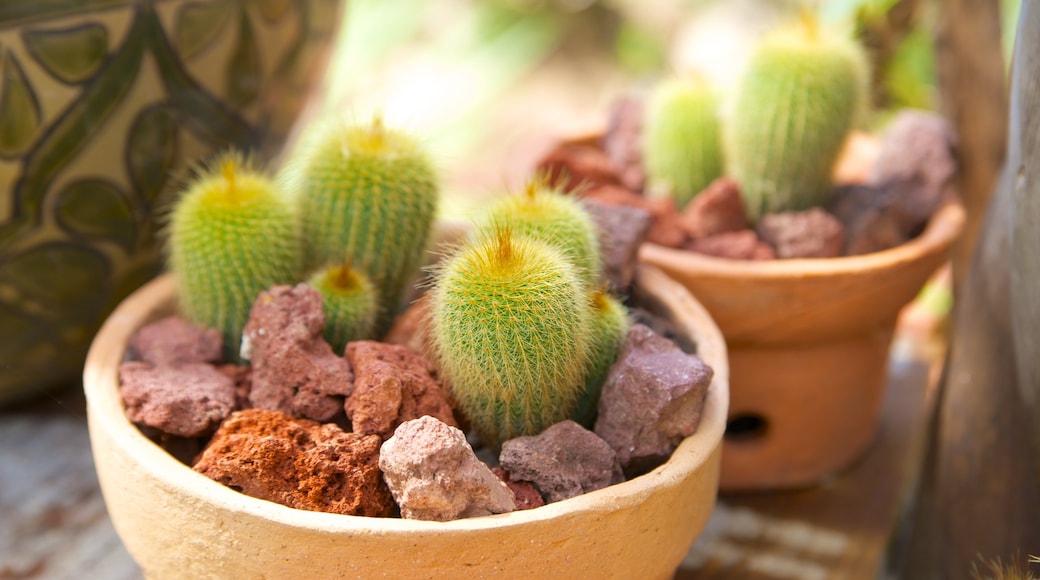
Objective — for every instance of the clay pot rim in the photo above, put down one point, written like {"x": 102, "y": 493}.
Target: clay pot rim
{"x": 100, "y": 379}
{"x": 943, "y": 228}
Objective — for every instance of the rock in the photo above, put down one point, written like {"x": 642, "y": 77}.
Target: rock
{"x": 242, "y": 377}
{"x": 869, "y": 224}
{"x": 298, "y": 463}
{"x": 623, "y": 142}
{"x": 410, "y": 329}
{"x": 187, "y": 400}
{"x": 294, "y": 369}
{"x": 665, "y": 230}
{"x": 622, "y": 230}
{"x": 651, "y": 400}
{"x": 391, "y": 385}
{"x": 564, "y": 461}
{"x": 741, "y": 245}
{"x": 525, "y": 493}
{"x": 813, "y": 233}
{"x": 173, "y": 340}
{"x": 434, "y": 475}
{"x": 917, "y": 166}
{"x": 573, "y": 166}
{"x": 716, "y": 210}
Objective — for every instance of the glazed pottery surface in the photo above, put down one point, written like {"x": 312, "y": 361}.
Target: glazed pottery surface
{"x": 808, "y": 345}
{"x": 178, "y": 524}
{"x": 103, "y": 106}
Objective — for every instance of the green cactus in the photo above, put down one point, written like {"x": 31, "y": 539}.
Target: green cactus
{"x": 794, "y": 108}
{"x": 366, "y": 193}
{"x": 682, "y": 142}
{"x": 232, "y": 235}
{"x": 610, "y": 325}
{"x": 510, "y": 322}
{"x": 549, "y": 215}
{"x": 350, "y": 303}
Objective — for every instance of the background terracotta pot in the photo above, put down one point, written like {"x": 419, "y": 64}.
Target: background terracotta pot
{"x": 178, "y": 523}
{"x": 808, "y": 349}
{"x": 103, "y": 105}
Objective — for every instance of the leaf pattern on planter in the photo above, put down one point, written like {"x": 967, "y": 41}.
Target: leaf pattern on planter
{"x": 71, "y": 55}
{"x": 151, "y": 150}
{"x": 199, "y": 24}
{"x": 19, "y": 109}
{"x": 243, "y": 72}
{"x": 60, "y": 281}
{"x": 95, "y": 208}
{"x": 273, "y": 10}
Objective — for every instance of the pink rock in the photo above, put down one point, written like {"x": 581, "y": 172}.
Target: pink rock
{"x": 527, "y": 496}
{"x": 564, "y": 461}
{"x": 434, "y": 474}
{"x": 186, "y": 400}
{"x": 652, "y": 399}
{"x": 623, "y": 142}
{"x": 572, "y": 166}
{"x": 741, "y": 245}
{"x": 622, "y": 230}
{"x": 173, "y": 340}
{"x": 242, "y": 377}
{"x": 813, "y": 233}
{"x": 298, "y": 463}
{"x": 716, "y": 210}
{"x": 392, "y": 385}
{"x": 294, "y": 369}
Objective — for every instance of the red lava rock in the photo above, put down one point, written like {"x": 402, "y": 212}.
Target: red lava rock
{"x": 294, "y": 369}
{"x": 652, "y": 399}
{"x": 173, "y": 340}
{"x": 716, "y": 210}
{"x": 622, "y": 230}
{"x": 410, "y": 329}
{"x": 434, "y": 474}
{"x": 186, "y": 400}
{"x": 525, "y": 493}
{"x": 392, "y": 385}
{"x": 665, "y": 230}
{"x": 572, "y": 166}
{"x": 812, "y": 233}
{"x": 623, "y": 142}
{"x": 741, "y": 245}
{"x": 564, "y": 461}
{"x": 298, "y": 463}
{"x": 242, "y": 377}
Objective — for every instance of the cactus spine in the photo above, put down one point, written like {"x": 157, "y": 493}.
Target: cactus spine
{"x": 548, "y": 215}
{"x": 794, "y": 108}
{"x": 610, "y": 325}
{"x": 682, "y": 143}
{"x": 232, "y": 235}
{"x": 367, "y": 193}
{"x": 350, "y": 303}
{"x": 510, "y": 322}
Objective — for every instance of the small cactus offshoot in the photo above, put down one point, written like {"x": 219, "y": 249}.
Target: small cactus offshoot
{"x": 610, "y": 324}
{"x": 350, "y": 303}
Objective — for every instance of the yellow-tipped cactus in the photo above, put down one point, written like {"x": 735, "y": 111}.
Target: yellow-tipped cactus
{"x": 610, "y": 324}
{"x": 350, "y": 302}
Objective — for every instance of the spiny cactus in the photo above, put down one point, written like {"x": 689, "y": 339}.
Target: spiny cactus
{"x": 682, "y": 142}
{"x": 350, "y": 302}
{"x": 610, "y": 325}
{"x": 232, "y": 235}
{"x": 367, "y": 193}
{"x": 795, "y": 105}
{"x": 547, "y": 214}
{"x": 510, "y": 322}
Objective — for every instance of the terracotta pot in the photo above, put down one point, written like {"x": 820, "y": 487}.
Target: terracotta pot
{"x": 808, "y": 349}
{"x": 178, "y": 523}
{"x": 104, "y": 105}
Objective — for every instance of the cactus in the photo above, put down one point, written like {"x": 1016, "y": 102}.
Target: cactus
{"x": 232, "y": 235}
{"x": 350, "y": 303}
{"x": 547, "y": 214}
{"x": 510, "y": 322}
{"x": 366, "y": 193}
{"x": 794, "y": 108}
{"x": 682, "y": 144}
{"x": 610, "y": 325}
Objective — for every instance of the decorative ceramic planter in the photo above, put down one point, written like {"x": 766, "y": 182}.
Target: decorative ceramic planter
{"x": 177, "y": 523}
{"x": 102, "y": 105}
{"x": 808, "y": 348}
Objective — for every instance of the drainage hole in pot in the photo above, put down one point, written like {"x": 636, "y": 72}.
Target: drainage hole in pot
{"x": 746, "y": 427}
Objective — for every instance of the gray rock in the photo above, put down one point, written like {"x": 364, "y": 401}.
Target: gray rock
{"x": 813, "y": 233}
{"x": 622, "y": 230}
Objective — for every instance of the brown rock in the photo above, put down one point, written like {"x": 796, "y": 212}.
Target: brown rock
{"x": 242, "y": 377}
{"x": 741, "y": 245}
{"x": 572, "y": 166}
{"x": 564, "y": 461}
{"x": 813, "y": 233}
{"x": 392, "y": 385}
{"x": 870, "y": 225}
{"x": 652, "y": 399}
{"x": 434, "y": 474}
{"x": 623, "y": 142}
{"x": 524, "y": 492}
{"x": 298, "y": 463}
{"x": 716, "y": 210}
{"x": 665, "y": 230}
{"x": 622, "y": 230}
{"x": 186, "y": 400}
{"x": 173, "y": 340}
{"x": 410, "y": 329}
{"x": 294, "y": 369}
